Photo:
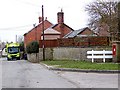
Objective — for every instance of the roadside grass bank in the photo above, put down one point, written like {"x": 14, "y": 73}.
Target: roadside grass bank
{"x": 82, "y": 65}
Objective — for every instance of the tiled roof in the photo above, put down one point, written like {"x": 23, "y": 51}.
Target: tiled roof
{"x": 53, "y": 26}
{"x": 74, "y": 33}
{"x": 51, "y": 31}
{"x": 38, "y": 26}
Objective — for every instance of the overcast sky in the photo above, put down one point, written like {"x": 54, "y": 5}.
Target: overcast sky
{"x": 18, "y": 16}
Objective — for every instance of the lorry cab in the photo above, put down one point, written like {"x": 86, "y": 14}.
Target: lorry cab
{"x": 13, "y": 51}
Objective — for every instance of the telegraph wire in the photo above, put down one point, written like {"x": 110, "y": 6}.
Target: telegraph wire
{"x": 21, "y": 27}
{"x": 28, "y": 3}
{"x": 18, "y": 27}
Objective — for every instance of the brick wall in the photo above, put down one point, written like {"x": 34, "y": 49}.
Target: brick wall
{"x": 48, "y": 43}
{"x": 84, "y": 41}
{"x": 76, "y": 42}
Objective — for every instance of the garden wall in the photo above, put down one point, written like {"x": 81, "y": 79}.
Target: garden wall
{"x": 73, "y": 53}
{"x": 33, "y": 57}
{"x": 68, "y": 53}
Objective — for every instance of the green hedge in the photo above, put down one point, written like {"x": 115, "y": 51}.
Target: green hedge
{"x": 32, "y": 47}
{"x": 22, "y": 46}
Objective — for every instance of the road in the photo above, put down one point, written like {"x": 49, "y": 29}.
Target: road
{"x": 0, "y": 74}
{"x": 91, "y": 80}
{"x": 23, "y": 74}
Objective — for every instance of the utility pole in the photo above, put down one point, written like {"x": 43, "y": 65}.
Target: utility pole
{"x": 34, "y": 25}
{"x": 16, "y": 38}
{"x": 43, "y": 45}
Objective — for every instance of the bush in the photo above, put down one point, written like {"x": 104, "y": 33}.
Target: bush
{"x": 32, "y": 47}
{"x": 22, "y": 46}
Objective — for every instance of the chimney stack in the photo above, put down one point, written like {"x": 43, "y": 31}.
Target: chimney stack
{"x": 60, "y": 16}
{"x": 40, "y": 19}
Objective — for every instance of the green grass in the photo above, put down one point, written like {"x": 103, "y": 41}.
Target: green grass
{"x": 82, "y": 64}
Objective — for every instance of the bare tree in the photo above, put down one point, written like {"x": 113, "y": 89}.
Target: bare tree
{"x": 119, "y": 21}
{"x": 103, "y": 13}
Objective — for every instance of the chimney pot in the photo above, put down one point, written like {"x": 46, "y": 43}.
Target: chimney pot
{"x": 40, "y": 19}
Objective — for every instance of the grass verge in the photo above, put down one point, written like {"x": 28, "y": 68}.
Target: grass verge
{"x": 82, "y": 65}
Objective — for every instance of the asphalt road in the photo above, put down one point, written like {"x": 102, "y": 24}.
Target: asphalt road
{"x": 0, "y": 74}
{"x": 23, "y": 74}
{"x": 91, "y": 80}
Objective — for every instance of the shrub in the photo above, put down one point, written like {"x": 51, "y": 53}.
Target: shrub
{"x": 32, "y": 47}
{"x": 22, "y": 46}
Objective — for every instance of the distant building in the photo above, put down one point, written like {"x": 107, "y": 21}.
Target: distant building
{"x": 2, "y": 45}
{"x": 51, "y": 31}
{"x": 103, "y": 30}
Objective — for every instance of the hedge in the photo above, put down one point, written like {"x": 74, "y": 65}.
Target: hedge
{"x": 32, "y": 47}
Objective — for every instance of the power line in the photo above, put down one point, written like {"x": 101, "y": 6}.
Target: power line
{"x": 28, "y": 3}
{"x": 17, "y": 28}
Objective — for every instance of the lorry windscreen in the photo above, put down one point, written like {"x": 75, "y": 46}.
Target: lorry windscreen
{"x": 13, "y": 50}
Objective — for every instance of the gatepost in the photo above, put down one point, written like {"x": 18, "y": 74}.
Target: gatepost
{"x": 116, "y": 51}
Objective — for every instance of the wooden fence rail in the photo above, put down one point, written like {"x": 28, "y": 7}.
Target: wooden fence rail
{"x": 99, "y": 55}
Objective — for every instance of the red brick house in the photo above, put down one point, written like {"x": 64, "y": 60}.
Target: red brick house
{"x": 35, "y": 33}
{"x": 52, "y": 32}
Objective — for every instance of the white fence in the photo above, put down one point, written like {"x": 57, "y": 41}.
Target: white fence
{"x": 99, "y": 55}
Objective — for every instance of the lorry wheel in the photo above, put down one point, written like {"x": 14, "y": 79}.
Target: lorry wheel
{"x": 8, "y": 59}
{"x": 18, "y": 58}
